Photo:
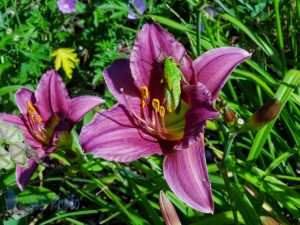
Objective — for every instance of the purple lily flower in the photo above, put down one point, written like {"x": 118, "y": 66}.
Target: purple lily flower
{"x": 67, "y": 6}
{"x": 139, "y": 5}
{"x": 139, "y": 124}
{"x": 47, "y": 116}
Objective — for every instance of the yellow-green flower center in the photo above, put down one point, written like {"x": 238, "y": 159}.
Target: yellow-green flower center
{"x": 156, "y": 120}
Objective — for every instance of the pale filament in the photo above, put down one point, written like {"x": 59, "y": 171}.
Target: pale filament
{"x": 153, "y": 124}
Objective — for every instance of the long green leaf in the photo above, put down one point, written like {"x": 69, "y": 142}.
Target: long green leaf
{"x": 269, "y": 50}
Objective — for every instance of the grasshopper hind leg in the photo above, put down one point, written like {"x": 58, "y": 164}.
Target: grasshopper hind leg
{"x": 178, "y": 108}
{"x": 169, "y": 100}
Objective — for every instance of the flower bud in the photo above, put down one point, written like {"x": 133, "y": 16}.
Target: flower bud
{"x": 168, "y": 210}
{"x": 266, "y": 220}
{"x": 229, "y": 117}
{"x": 221, "y": 103}
{"x": 263, "y": 116}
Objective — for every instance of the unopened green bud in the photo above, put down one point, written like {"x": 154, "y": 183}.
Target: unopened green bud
{"x": 229, "y": 117}
{"x": 168, "y": 210}
{"x": 263, "y": 116}
{"x": 221, "y": 103}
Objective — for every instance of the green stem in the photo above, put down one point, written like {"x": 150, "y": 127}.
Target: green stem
{"x": 198, "y": 33}
{"x": 224, "y": 173}
{"x": 227, "y": 149}
{"x": 298, "y": 8}
{"x": 210, "y": 35}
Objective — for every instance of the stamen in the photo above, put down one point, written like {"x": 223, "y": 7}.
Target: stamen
{"x": 162, "y": 111}
{"x": 144, "y": 95}
{"x": 39, "y": 118}
{"x": 154, "y": 123}
{"x": 145, "y": 92}
{"x": 143, "y": 103}
{"x": 35, "y": 123}
{"x": 133, "y": 114}
{"x": 30, "y": 107}
{"x": 155, "y": 104}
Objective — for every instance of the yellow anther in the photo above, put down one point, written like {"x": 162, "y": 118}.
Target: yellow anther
{"x": 162, "y": 111}
{"x": 143, "y": 103}
{"x": 30, "y": 107}
{"x": 155, "y": 104}
{"x": 145, "y": 92}
{"x": 39, "y": 118}
{"x": 31, "y": 111}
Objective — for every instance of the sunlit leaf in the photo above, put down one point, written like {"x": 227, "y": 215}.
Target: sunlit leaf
{"x": 65, "y": 58}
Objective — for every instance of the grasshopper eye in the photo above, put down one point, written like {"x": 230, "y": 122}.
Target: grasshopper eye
{"x": 170, "y": 59}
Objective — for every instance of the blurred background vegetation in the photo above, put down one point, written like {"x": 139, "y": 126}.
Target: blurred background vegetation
{"x": 263, "y": 166}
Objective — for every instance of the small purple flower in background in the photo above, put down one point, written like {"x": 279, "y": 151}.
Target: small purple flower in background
{"x": 211, "y": 12}
{"x": 47, "y": 116}
{"x": 139, "y": 124}
{"x": 67, "y": 6}
{"x": 140, "y": 7}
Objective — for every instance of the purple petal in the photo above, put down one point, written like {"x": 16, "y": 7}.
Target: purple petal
{"x": 80, "y": 106}
{"x": 200, "y": 110}
{"x": 22, "y": 97}
{"x": 52, "y": 97}
{"x": 112, "y": 136}
{"x": 23, "y": 174}
{"x": 18, "y": 121}
{"x": 186, "y": 174}
{"x": 131, "y": 14}
{"x": 213, "y": 67}
{"x": 151, "y": 41}
{"x": 140, "y": 6}
{"x": 66, "y": 6}
{"x": 118, "y": 77}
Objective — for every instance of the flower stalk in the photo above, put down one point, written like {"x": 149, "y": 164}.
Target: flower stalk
{"x": 224, "y": 172}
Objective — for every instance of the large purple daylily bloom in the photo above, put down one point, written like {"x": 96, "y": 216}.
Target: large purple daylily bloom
{"x": 67, "y": 6}
{"x": 47, "y": 116}
{"x": 139, "y": 125}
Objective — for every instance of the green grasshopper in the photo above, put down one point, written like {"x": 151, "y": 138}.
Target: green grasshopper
{"x": 172, "y": 76}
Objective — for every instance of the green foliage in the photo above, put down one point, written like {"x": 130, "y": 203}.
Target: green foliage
{"x": 263, "y": 166}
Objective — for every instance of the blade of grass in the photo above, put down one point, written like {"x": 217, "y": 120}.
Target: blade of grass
{"x": 279, "y": 160}
{"x": 269, "y": 50}
{"x": 72, "y": 214}
{"x": 298, "y": 11}
{"x": 279, "y": 35}
{"x": 207, "y": 28}
{"x": 143, "y": 199}
{"x": 171, "y": 23}
{"x": 198, "y": 33}
{"x": 132, "y": 217}
{"x": 225, "y": 218}
{"x": 273, "y": 187}
{"x": 244, "y": 205}
{"x": 73, "y": 221}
